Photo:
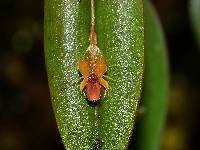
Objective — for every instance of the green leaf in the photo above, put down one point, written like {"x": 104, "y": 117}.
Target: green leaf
{"x": 120, "y": 36}
{"x": 156, "y": 84}
{"x": 195, "y": 18}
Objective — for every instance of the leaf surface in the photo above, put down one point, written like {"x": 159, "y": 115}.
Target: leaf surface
{"x": 120, "y": 36}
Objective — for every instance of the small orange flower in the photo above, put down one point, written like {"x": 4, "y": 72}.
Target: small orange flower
{"x": 93, "y": 68}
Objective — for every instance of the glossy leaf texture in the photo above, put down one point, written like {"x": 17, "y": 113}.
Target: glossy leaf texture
{"x": 195, "y": 18}
{"x": 120, "y": 36}
{"x": 153, "y": 105}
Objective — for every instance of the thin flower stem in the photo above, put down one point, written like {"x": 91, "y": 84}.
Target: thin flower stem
{"x": 93, "y": 38}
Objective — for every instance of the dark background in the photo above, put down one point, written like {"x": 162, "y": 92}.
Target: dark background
{"x": 26, "y": 118}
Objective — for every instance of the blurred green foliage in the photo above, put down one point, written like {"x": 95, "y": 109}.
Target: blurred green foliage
{"x": 155, "y": 95}
{"x": 195, "y": 18}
